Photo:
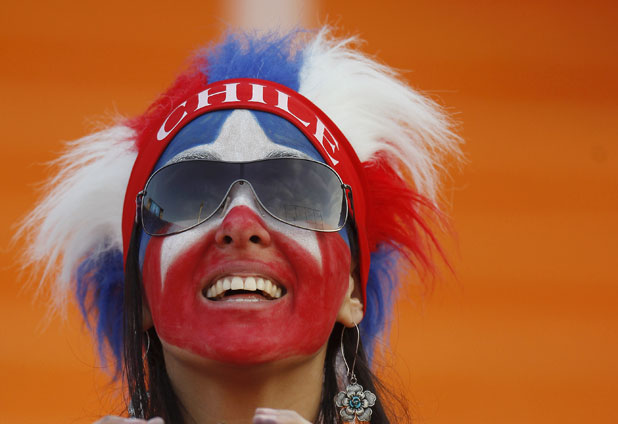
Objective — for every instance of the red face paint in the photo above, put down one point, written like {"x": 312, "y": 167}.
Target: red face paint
{"x": 299, "y": 323}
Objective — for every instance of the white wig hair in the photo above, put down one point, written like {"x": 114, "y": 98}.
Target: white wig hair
{"x": 81, "y": 211}
{"x": 377, "y": 111}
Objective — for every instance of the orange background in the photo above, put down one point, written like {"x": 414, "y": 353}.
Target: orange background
{"x": 527, "y": 333}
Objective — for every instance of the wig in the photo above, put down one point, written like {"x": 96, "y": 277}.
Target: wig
{"x": 401, "y": 137}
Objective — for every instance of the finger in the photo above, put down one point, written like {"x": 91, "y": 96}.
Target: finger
{"x": 265, "y": 419}
{"x": 266, "y": 411}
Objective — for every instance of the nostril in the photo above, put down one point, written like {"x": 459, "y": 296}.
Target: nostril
{"x": 242, "y": 228}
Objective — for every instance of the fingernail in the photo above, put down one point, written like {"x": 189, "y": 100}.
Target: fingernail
{"x": 156, "y": 420}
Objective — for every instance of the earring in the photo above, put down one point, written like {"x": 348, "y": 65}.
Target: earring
{"x": 355, "y": 403}
{"x": 147, "y": 345}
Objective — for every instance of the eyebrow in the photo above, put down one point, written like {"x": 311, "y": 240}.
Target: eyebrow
{"x": 276, "y": 154}
{"x": 196, "y": 155}
{"x": 286, "y": 154}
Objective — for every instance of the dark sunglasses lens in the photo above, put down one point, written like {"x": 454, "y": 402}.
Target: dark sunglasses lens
{"x": 184, "y": 194}
{"x": 300, "y": 192}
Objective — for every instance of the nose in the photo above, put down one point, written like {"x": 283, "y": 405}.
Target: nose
{"x": 241, "y": 226}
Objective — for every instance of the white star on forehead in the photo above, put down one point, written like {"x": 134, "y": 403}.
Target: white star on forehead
{"x": 241, "y": 139}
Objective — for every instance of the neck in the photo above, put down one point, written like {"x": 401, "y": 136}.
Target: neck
{"x": 213, "y": 392}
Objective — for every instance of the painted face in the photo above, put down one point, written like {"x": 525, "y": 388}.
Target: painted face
{"x": 243, "y": 287}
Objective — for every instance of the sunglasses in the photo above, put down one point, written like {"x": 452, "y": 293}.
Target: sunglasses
{"x": 300, "y": 192}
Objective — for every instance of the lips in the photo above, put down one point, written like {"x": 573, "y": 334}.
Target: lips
{"x": 243, "y": 287}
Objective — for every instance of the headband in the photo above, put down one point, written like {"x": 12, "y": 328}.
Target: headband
{"x": 266, "y": 96}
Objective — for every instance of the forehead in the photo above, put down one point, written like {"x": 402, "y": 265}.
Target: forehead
{"x": 238, "y": 135}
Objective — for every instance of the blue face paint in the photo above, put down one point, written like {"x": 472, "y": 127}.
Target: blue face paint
{"x": 284, "y": 133}
{"x": 205, "y": 129}
{"x": 202, "y": 130}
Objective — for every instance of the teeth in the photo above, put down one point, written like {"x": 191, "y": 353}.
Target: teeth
{"x": 250, "y": 284}
{"x": 244, "y": 283}
{"x": 237, "y": 283}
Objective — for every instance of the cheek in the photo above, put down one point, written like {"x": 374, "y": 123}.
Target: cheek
{"x": 159, "y": 257}
{"x": 320, "y": 295}
{"x": 299, "y": 324}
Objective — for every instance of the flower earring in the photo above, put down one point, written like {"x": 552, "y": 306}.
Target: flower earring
{"x": 355, "y": 403}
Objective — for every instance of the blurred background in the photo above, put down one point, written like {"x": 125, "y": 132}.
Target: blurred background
{"x": 527, "y": 331}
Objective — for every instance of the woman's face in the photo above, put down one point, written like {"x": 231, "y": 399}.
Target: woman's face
{"x": 303, "y": 274}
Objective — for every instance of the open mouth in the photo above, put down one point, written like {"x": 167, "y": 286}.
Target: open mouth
{"x": 249, "y": 289}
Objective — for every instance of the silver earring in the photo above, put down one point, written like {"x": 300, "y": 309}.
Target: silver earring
{"x": 147, "y": 345}
{"x": 355, "y": 403}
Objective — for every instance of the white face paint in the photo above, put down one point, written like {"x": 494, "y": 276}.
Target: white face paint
{"x": 241, "y": 139}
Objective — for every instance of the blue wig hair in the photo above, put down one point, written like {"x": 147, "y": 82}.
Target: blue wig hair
{"x": 100, "y": 292}
{"x": 269, "y": 57}
{"x": 380, "y": 294}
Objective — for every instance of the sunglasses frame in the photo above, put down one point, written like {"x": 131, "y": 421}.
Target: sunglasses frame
{"x": 347, "y": 193}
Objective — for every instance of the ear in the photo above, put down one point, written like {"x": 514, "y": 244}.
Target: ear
{"x": 351, "y": 311}
{"x": 146, "y": 316}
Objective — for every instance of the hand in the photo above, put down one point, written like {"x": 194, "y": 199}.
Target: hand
{"x": 110, "y": 419}
{"x": 277, "y": 416}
